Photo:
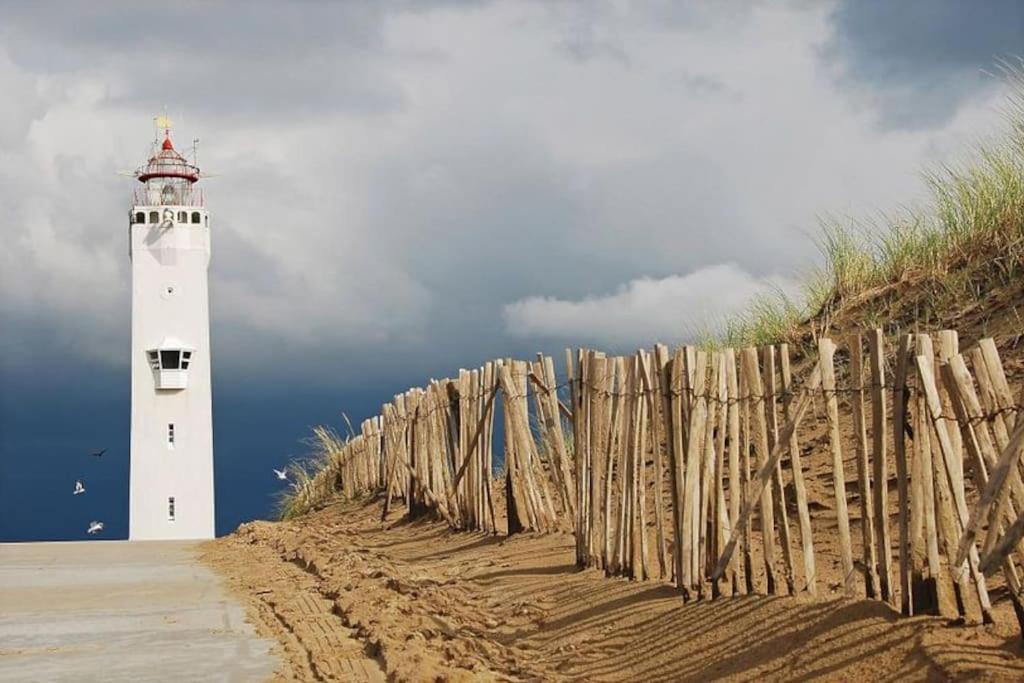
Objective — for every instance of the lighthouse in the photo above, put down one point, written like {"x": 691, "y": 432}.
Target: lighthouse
{"x": 171, "y": 481}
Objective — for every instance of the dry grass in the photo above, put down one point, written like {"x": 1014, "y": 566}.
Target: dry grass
{"x": 314, "y": 479}
{"x": 967, "y": 238}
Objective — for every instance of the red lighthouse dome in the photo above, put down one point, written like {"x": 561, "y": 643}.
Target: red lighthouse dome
{"x": 167, "y": 163}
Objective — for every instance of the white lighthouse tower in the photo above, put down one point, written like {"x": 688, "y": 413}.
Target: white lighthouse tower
{"x": 172, "y": 424}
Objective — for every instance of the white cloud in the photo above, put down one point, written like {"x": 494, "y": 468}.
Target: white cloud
{"x": 643, "y": 311}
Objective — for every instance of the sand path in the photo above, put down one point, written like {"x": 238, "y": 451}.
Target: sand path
{"x": 425, "y": 604}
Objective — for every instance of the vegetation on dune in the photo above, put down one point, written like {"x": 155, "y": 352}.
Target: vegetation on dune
{"x": 967, "y": 240}
{"x": 313, "y": 481}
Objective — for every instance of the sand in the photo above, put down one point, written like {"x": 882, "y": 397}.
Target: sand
{"x": 351, "y": 598}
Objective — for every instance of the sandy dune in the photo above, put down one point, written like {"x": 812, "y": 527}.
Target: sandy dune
{"x": 351, "y": 599}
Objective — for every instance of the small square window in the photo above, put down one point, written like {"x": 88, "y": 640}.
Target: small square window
{"x": 170, "y": 509}
{"x": 170, "y": 435}
{"x": 169, "y": 360}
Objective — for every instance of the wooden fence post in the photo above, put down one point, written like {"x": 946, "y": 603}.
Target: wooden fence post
{"x": 872, "y": 585}
{"x": 691, "y": 492}
{"x": 826, "y": 351}
{"x": 641, "y": 569}
{"x": 651, "y": 388}
{"x": 615, "y": 444}
{"x": 720, "y": 514}
{"x": 750, "y": 369}
{"x": 944, "y": 523}
{"x": 598, "y": 378}
{"x": 900, "y": 421}
{"x": 745, "y": 478}
{"x": 676, "y": 371}
{"x": 628, "y": 548}
{"x": 804, "y": 515}
{"x": 705, "y": 492}
{"x": 879, "y": 429}
{"x": 955, "y": 485}
{"x": 781, "y": 513}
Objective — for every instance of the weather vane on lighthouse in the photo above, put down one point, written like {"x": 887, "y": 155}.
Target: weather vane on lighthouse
{"x": 171, "y": 487}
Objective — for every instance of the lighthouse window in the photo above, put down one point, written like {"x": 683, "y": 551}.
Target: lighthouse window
{"x": 170, "y": 435}
{"x": 154, "y": 217}
{"x": 154, "y": 359}
{"x": 170, "y": 509}
{"x": 169, "y": 360}
{"x": 140, "y": 217}
{"x": 186, "y": 357}
{"x": 195, "y": 217}
{"x": 182, "y": 217}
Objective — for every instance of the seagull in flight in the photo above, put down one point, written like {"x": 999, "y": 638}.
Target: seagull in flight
{"x": 98, "y": 454}
{"x": 79, "y": 488}
{"x": 281, "y": 474}
{"x": 95, "y": 527}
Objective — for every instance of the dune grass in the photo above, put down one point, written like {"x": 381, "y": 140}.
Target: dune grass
{"x": 968, "y": 237}
{"x": 313, "y": 480}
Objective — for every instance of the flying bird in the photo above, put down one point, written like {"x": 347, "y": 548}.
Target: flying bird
{"x": 79, "y": 488}
{"x": 95, "y": 527}
{"x": 98, "y": 454}
{"x": 281, "y": 474}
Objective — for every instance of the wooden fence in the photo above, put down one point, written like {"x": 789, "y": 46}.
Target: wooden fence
{"x": 694, "y": 466}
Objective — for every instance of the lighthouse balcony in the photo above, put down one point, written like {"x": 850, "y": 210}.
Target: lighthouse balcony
{"x": 169, "y": 363}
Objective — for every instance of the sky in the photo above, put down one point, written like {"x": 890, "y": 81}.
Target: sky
{"x": 401, "y": 189}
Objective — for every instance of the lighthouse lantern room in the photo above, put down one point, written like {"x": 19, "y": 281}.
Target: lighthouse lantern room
{"x": 171, "y": 423}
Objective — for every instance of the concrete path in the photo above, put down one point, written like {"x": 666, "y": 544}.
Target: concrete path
{"x": 120, "y": 611}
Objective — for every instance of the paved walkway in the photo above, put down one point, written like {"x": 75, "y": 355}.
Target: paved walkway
{"x": 120, "y": 611}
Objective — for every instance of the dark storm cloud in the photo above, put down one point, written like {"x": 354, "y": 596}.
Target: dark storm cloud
{"x": 923, "y": 58}
{"x": 263, "y": 58}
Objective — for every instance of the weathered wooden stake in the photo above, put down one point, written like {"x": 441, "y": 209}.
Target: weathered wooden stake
{"x": 826, "y": 351}
{"x": 677, "y": 454}
{"x": 651, "y": 387}
{"x": 879, "y": 433}
{"x": 872, "y": 585}
{"x": 750, "y": 369}
{"x": 781, "y": 512}
{"x": 803, "y": 514}
{"x": 955, "y": 482}
{"x": 904, "y": 350}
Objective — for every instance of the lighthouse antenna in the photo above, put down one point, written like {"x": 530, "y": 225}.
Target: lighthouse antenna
{"x": 164, "y": 121}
